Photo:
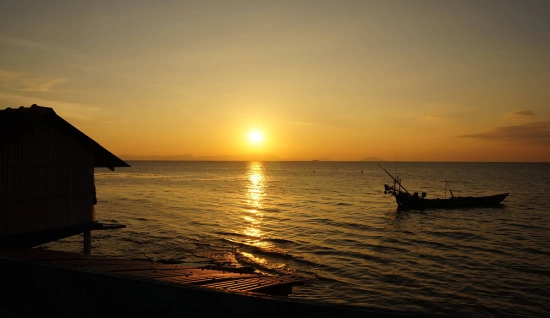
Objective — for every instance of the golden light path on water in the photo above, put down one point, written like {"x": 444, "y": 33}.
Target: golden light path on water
{"x": 254, "y": 214}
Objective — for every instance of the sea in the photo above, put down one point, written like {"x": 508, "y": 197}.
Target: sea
{"x": 331, "y": 224}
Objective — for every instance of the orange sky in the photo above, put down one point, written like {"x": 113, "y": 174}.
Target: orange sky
{"x": 344, "y": 80}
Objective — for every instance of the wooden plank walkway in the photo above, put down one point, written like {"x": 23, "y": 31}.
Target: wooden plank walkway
{"x": 177, "y": 274}
{"x": 49, "y": 283}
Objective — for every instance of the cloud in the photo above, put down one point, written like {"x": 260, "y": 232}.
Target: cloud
{"x": 25, "y": 82}
{"x": 302, "y": 123}
{"x": 522, "y": 113}
{"x": 8, "y": 78}
{"x": 532, "y": 133}
{"x": 46, "y": 86}
{"x": 432, "y": 118}
{"x": 115, "y": 122}
{"x": 45, "y": 47}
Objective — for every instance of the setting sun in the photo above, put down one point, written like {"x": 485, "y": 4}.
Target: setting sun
{"x": 255, "y": 137}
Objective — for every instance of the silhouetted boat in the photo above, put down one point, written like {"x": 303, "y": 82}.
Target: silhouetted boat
{"x": 407, "y": 201}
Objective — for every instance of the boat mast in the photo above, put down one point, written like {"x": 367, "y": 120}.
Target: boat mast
{"x": 394, "y": 179}
{"x": 448, "y": 186}
{"x": 450, "y": 191}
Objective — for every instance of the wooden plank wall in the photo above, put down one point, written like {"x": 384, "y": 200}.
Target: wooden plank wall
{"x": 46, "y": 182}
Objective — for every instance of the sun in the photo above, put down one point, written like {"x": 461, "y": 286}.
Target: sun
{"x": 255, "y": 137}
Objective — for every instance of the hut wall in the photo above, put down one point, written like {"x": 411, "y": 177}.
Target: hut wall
{"x": 46, "y": 182}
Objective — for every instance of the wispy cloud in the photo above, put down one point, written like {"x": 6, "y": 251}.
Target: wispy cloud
{"x": 532, "y": 133}
{"x": 8, "y": 78}
{"x": 45, "y": 47}
{"x": 46, "y": 86}
{"x": 432, "y": 118}
{"x": 116, "y": 122}
{"x": 522, "y": 113}
{"x": 303, "y": 123}
{"x": 27, "y": 82}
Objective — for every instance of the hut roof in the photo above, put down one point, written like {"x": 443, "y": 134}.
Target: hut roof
{"x": 14, "y": 122}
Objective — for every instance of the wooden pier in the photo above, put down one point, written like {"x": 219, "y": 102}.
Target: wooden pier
{"x": 181, "y": 275}
{"x": 49, "y": 283}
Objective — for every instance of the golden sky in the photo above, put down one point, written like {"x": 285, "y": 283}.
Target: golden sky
{"x": 430, "y": 80}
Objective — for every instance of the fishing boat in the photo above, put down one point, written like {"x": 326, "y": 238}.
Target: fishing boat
{"x": 407, "y": 201}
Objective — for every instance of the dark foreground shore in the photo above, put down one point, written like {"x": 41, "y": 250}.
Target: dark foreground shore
{"x": 47, "y": 291}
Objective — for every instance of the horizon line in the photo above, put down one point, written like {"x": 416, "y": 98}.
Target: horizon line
{"x": 315, "y": 160}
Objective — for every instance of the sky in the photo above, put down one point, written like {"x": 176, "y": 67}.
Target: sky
{"x": 409, "y": 80}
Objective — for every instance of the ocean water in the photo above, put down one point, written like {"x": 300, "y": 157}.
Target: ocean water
{"x": 330, "y": 222}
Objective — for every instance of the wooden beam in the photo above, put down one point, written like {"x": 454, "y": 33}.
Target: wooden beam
{"x": 87, "y": 242}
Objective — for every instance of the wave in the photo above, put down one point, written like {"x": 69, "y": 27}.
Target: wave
{"x": 278, "y": 240}
{"x": 217, "y": 251}
{"x": 342, "y": 224}
{"x": 343, "y": 204}
{"x": 270, "y": 250}
{"x": 267, "y": 238}
{"x": 460, "y": 235}
{"x": 270, "y": 209}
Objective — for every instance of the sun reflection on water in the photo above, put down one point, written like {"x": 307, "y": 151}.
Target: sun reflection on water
{"x": 253, "y": 217}
{"x": 255, "y": 192}
{"x": 256, "y": 260}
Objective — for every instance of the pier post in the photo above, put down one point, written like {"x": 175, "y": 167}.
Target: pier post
{"x": 87, "y": 242}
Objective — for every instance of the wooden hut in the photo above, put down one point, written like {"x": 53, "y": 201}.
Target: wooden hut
{"x": 47, "y": 189}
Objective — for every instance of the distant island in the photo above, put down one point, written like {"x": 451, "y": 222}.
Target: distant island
{"x": 371, "y": 159}
{"x": 321, "y": 159}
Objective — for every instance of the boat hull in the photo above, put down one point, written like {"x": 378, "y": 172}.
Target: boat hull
{"x": 407, "y": 202}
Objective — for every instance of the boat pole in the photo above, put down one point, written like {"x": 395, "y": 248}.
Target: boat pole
{"x": 399, "y": 183}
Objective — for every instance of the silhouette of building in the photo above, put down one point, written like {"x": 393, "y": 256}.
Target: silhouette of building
{"x": 47, "y": 189}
